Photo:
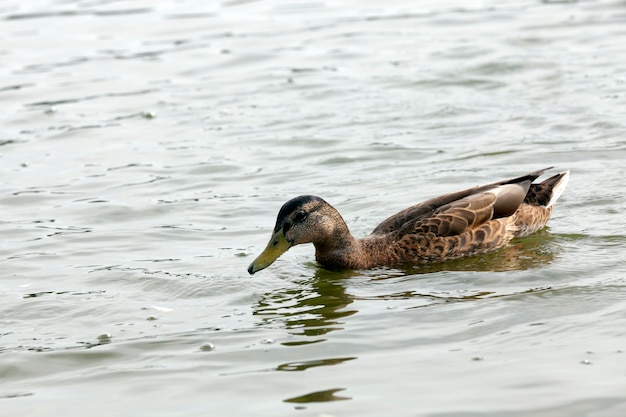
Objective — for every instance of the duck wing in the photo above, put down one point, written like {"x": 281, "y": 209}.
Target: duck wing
{"x": 470, "y": 212}
{"x": 451, "y": 214}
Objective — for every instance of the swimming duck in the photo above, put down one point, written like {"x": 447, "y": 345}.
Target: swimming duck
{"x": 463, "y": 223}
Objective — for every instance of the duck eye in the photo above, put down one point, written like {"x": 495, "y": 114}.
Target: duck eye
{"x": 299, "y": 216}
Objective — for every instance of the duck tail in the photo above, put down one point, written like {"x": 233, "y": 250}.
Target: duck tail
{"x": 559, "y": 182}
{"x": 547, "y": 192}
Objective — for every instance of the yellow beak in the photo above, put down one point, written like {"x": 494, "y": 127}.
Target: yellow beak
{"x": 276, "y": 247}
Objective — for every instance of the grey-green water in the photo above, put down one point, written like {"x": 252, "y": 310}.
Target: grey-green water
{"x": 146, "y": 147}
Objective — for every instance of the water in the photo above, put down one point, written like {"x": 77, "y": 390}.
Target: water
{"x": 146, "y": 147}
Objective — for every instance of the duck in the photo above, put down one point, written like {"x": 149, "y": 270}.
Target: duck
{"x": 463, "y": 223}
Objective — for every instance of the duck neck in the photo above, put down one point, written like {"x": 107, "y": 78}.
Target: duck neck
{"x": 339, "y": 249}
{"x": 349, "y": 252}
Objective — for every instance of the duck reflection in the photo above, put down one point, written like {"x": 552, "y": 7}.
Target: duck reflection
{"x": 317, "y": 305}
{"x": 304, "y": 365}
{"x": 313, "y": 309}
{"x": 318, "y": 396}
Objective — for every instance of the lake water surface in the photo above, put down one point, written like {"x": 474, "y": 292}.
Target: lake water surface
{"x": 146, "y": 147}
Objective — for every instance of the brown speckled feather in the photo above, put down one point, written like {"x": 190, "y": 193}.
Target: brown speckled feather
{"x": 427, "y": 207}
{"x": 467, "y": 222}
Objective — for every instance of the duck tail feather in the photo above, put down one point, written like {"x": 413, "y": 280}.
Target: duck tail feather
{"x": 560, "y": 182}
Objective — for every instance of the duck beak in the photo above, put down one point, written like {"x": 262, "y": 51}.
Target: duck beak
{"x": 276, "y": 247}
